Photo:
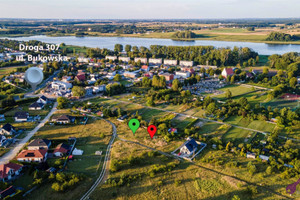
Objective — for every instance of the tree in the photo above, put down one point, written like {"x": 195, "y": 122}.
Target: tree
{"x": 118, "y": 48}
{"x": 293, "y": 82}
{"x": 78, "y": 91}
{"x": 211, "y": 108}
{"x": 228, "y": 94}
{"x": 63, "y": 102}
{"x": 236, "y": 197}
{"x": 251, "y": 168}
{"x": 118, "y": 77}
{"x": 265, "y": 70}
{"x": 175, "y": 85}
{"x": 127, "y": 48}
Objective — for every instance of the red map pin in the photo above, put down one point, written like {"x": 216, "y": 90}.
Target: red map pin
{"x": 151, "y": 130}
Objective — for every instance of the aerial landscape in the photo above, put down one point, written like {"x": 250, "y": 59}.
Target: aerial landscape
{"x": 150, "y": 100}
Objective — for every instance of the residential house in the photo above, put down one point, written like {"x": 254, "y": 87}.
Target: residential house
{"x": 168, "y": 76}
{"x": 66, "y": 79}
{"x": 188, "y": 148}
{"x": 130, "y": 74}
{"x": 170, "y": 62}
{"x": 8, "y": 129}
{"x": 227, "y": 72}
{"x": 145, "y": 68}
{"x": 61, "y": 150}
{"x": 186, "y": 63}
{"x": 142, "y": 60}
{"x": 155, "y": 61}
{"x": 21, "y": 116}
{"x": 264, "y": 158}
{"x": 80, "y": 77}
{"x": 9, "y": 171}
{"x": 88, "y": 91}
{"x": 113, "y": 58}
{"x": 36, "y": 106}
{"x": 183, "y": 74}
{"x": 59, "y": 85}
{"x": 39, "y": 144}
{"x": 63, "y": 119}
{"x": 39, "y": 155}
{"x": 43, "y": 100}
{"x": 188, "y": 69}
{"x": 124, "y": 59}
{"x": 99, "y": 88}
{"x": 250, "y": 155}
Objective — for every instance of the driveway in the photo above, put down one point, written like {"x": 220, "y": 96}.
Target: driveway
{"x": 13, "y": 152}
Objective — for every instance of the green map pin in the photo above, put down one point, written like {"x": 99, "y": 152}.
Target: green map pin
{"x": 134, "y": 124}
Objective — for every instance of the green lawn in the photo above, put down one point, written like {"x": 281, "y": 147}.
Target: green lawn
{"x": 256, "y": 124}
{"x": 237, "y": 135}
{"x": 235, "y": 90}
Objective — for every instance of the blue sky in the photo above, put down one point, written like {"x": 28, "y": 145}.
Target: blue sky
{"x": 149, "y": 9}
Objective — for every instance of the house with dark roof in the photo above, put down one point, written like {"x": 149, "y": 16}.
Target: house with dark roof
{"x": 43, "y": 100}
{"x": 227, "y": 72}
{"x": 21, "y": 116}
{"x": 188, "y": 148}
{"x": 10, "y": 191}
{"x": 39, "y": 144}
{"x": 63, "y": 119}
{"x": 80, "y": 77}
{"x": 39, "y": 155}
{"x": 61, "y": 150}
{"x": 9, "y": 171}
{"x": 36, "y": 106}
{"x": 8, "y": 129}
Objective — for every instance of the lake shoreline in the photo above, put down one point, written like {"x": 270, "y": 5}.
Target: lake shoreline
{"x": 109, "y": 42}
{"x": 152, "y": 37}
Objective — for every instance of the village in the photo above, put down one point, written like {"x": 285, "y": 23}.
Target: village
{"x": 172, "y": 94}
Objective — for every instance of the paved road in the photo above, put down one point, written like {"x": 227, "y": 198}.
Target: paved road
{"x": 13, "y": 152}
{"x": 105, "y": 164}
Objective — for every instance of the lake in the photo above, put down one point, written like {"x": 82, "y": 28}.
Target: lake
{"x": 109, "y": 42}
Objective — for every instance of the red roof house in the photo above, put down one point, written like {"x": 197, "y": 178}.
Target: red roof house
{"x": 39, "y": 155}
{"x": 9, "y": 170}
{"x": 227, "y": 72}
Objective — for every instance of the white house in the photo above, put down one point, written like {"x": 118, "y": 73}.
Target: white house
{"x": 170, "y": 62}
{"x": 111, "y": 58}
{"x": 143, "y": 60}
{"x": 186, "y": 63}
{"x": 39, "y": 155}
{"x": 188, "y": 148}
{"x": 182, "y": 74}
{"x": 59, "y": 85}
{"x": 43, "y": 100}
{"x": 8, "y": 129}
{"x": 124, "y": 59}
{"x": 155, "y": 61}
{"x": 227, "y": 72}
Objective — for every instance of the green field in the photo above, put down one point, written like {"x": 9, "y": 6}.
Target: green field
{"x": 282, "y": 103}
{"x": 256, "y": 124}
{"x": 236, "y": 90}
{"x": 237, "y": 135}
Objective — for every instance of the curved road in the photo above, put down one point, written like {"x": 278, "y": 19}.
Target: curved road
{"x": 13, "y": 152}
{"x": 105, "y": 164}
